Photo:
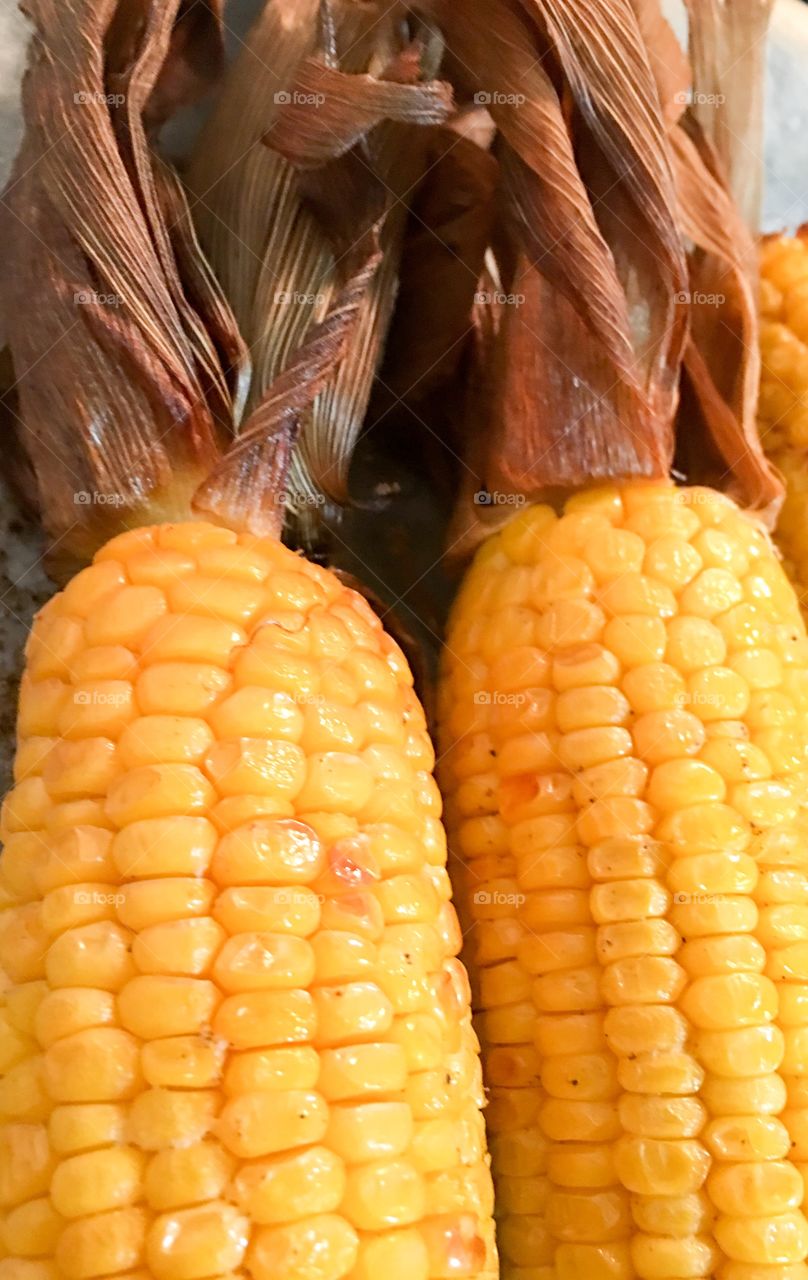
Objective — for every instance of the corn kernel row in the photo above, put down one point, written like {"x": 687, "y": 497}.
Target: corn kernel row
{"x": 238, "y": 1039}
{"x": 624, "y": 736}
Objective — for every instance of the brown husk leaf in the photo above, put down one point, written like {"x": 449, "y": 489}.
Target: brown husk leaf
{"x": 450, "y": 226}
{"x": 722, "y": 358}
{"x": 282, "y": 234}
{"x": 615, "y": 223}
{"x": 588, "y": 345}
{"x": 121, "y": 391}
{"x": 727, "y": 45}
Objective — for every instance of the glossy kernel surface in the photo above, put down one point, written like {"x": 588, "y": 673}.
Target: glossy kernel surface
{"x": 234, "y": 1037}
{"x": 625, "y": 788}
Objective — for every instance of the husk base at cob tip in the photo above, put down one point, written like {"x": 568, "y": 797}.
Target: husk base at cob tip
{"x": 236, "y": 1036}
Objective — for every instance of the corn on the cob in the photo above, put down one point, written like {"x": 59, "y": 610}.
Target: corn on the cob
{"x": 236, "y": 1038}
{"x": 783, "y": 405}
{"x": 623, "y": 728}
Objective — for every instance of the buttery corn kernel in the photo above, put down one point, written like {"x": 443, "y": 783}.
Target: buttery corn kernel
{"x": 384, "y": 1194}
{"x": 231, "y": 855}
{"x": 178, "y": 947}
{"x": 144, "y": 904}
{"x": 264, "y": 1018}
{"x": 163, "y": 1118}
{"x": 32, "y": 1230}
{"x": 270, "y": 852}
{"x": 677, "y": 719}
{"x": 82, "y": 1126}
{"x": 102, "y": 1244}
{"x": 291, "y": 1185}
{"x": 186, "y": 1243}
{"x": 180, "y": 688}
{"x": 182, "y": 1062}
{"x": 266, "y": 1069}
{"x": 99, "y": 1064}
{"x": 96, "y": 1181}
{"x": 323, "y": 1247}
{"x": 188, "y": 1175}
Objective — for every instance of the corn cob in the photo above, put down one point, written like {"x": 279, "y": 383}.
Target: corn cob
{"x": 236, "y": 1038}
{"x": 623, "y": 738}
{"x": 783, "y": 405}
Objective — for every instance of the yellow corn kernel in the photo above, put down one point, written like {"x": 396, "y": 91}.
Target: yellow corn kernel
{"x": 237, "y": 1037}
{"x": 100, "y": 1064}
{"x": 291, "y": 1185}
{"x": 155, "y": 1006}
{"x": 187, "y": 1175}
{"x": 82, "y": 1126}
{"x": 32, "y": 1230}
{"x": 263, "y": 1018}
{"x": 180, "y": 688}
{"x": 189, "y": 1243}
{"x": 96, "y": 1181}
{"x": 260, "y": 1124}
{"x": 622, "y": 891}
{"x": 178, "y": 947}
{"x": 146, "y": 903}
{"x": 384, "y": 1194}
{"x": 183, "y": 1062}
{"x": 163, "y": 1118}
{"x": 264, "y": 852}
{"x": 294, "y": 1066}
{"x": 323, "y": 1247}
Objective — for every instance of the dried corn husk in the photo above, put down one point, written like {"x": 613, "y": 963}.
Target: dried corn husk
{"x": 615, "y": 223}
{"x": 309, "y": 262}
{"x": 129, "y": 369}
